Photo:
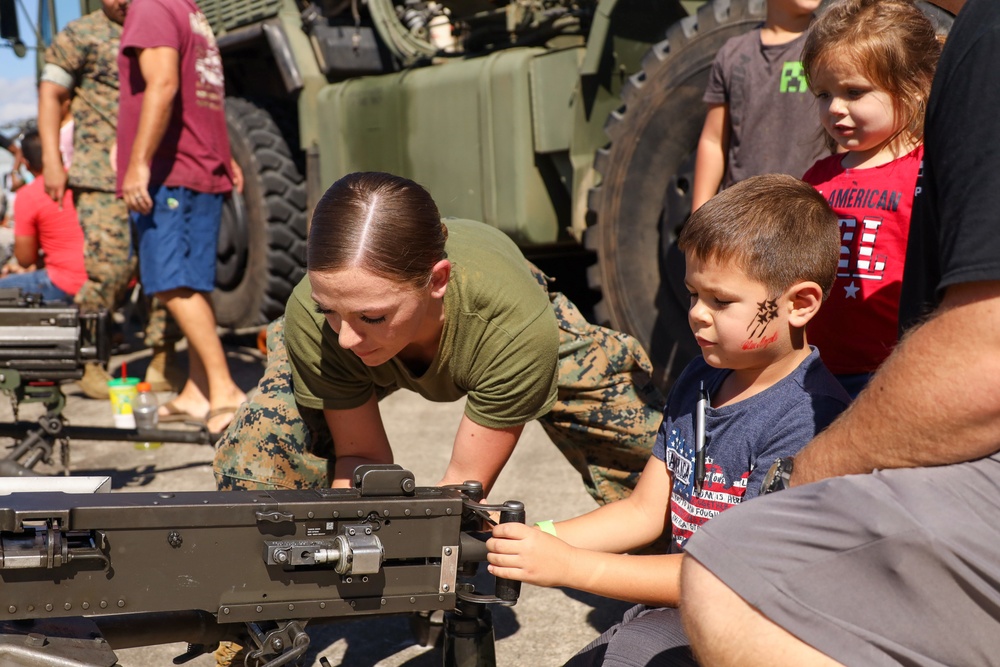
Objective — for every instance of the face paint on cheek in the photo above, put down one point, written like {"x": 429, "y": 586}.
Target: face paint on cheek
{"x": 752, "y": 344}
{"x": 766, "y": 311}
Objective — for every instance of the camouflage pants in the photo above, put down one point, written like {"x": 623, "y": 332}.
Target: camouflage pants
{"x": 604, "y": 421}
{"x": 109, "y": 264}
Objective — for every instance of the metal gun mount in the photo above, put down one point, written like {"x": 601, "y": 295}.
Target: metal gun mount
{"x": 83, "y": 575}
{"x": 40, "y": 346}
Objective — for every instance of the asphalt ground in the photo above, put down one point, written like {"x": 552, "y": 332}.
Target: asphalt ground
{"x": 545, "y": 627}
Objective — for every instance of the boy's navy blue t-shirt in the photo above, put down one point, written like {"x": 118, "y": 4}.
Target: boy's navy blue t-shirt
{"x": 742, "y": 440}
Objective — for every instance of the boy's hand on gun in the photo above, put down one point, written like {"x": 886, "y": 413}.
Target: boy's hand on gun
{"x": 524, "y": 553}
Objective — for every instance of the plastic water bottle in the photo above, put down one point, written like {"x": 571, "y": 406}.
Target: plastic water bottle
{"x": 146, "y": 410}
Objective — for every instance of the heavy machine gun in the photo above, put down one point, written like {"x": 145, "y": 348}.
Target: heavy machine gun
{"x": 42, "y": 345}
{"x": 84, "y": 574}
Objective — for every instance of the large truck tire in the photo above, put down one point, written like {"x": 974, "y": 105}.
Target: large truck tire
{"x": 647, "y": 173}
{"x": 262, "y": 240}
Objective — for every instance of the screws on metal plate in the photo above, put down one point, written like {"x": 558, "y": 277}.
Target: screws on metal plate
{"x": 447, "y": 551}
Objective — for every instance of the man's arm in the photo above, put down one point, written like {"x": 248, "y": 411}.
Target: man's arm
{"x": 51, "y": 97}
{"x": 26, "y": 250}
{"x": 160, "y": 71}
{"x": 934, "y": 401}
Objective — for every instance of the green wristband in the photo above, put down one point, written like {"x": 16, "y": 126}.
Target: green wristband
{"x": 546, "y": 526}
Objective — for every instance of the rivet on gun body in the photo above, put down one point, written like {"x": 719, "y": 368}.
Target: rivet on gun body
{"x": 382, "y": 601}
{"x": 85, "y": 605}
{"x": 361, "y": 513}
{"x": 413, "y": 600}
{"x": 353, "y": 604}
{"x": 225, "y": 610}
{"x": 104, "y": 604}
{"x": 406, "y": 512}
{"x": 322, "y": 605}
{"x": 259, "y": 609}
{"x": 67, "y": 606}
{"x": 12, "y": 609}
{"x": 121, "y": 603}
{"x": 447, "y": 551}
{"x": 311, "y": 515}
{"x": 291, "y": 607}
{"x": 48, "y": 607}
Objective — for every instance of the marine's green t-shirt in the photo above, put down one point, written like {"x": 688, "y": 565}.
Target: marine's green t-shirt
{"x": 499, "y": 345}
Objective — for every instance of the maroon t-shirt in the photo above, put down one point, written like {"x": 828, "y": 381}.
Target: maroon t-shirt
{"x": 194, "y": 152}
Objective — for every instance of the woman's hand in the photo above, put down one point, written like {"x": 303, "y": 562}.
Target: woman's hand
{"x": 527, "y": 554}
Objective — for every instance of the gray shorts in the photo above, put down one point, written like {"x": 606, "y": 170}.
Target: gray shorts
{"x": 900, "y": 567}
{"x": 647, "y": 637}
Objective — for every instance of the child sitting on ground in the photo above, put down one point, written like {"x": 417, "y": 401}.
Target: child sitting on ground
{"x": 761, "y": 257}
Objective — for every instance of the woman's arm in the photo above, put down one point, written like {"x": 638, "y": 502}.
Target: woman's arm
{"x": 358, "y": 437}
{"x": 480, "y": 452}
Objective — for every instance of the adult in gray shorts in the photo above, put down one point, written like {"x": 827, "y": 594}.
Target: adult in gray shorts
{"x": 900, "y": 566}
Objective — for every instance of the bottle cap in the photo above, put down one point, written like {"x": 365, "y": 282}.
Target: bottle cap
{"x": 144, "y": 386}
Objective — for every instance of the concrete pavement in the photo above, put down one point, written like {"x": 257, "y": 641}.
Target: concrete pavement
{"x": 544, "y": 629}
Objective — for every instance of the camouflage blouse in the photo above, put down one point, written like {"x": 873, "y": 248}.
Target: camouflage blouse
{"x": 87, "y": 49}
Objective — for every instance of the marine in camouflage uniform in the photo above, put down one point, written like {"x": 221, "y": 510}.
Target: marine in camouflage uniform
{"x": 83, "y": 58}
{"x": 604, "y": 420}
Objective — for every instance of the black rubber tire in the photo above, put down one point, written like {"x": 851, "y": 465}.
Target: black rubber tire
{"x": 645, "y": 192}
{"x": 262, "y": 239}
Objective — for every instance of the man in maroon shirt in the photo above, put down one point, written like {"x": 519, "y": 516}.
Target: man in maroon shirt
{"x": 173, "y": 172}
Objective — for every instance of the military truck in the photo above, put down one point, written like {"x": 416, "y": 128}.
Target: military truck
{"x": 571, "y": 125}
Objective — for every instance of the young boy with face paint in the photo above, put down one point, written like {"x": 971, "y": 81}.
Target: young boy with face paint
{"x": 760, "y": 257}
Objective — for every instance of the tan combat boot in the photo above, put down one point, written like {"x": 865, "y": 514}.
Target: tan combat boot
{"x": 229, "y": 654}
{"x": 163, "y": 374}
{"x": 94, "y": 383}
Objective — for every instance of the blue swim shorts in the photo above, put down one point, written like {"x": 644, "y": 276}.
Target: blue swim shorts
{"x": 178, "y": 239}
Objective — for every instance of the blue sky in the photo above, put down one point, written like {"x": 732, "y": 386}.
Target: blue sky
{"x": 18, "y": 99}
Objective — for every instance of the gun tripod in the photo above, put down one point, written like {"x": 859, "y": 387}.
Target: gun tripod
{"x": 37, "y": 440}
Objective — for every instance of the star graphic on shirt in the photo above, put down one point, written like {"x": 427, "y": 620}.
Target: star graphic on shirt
{"x": 852, "y": 291}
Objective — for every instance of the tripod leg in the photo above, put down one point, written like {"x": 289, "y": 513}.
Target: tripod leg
{"x": 468, "y": 636}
